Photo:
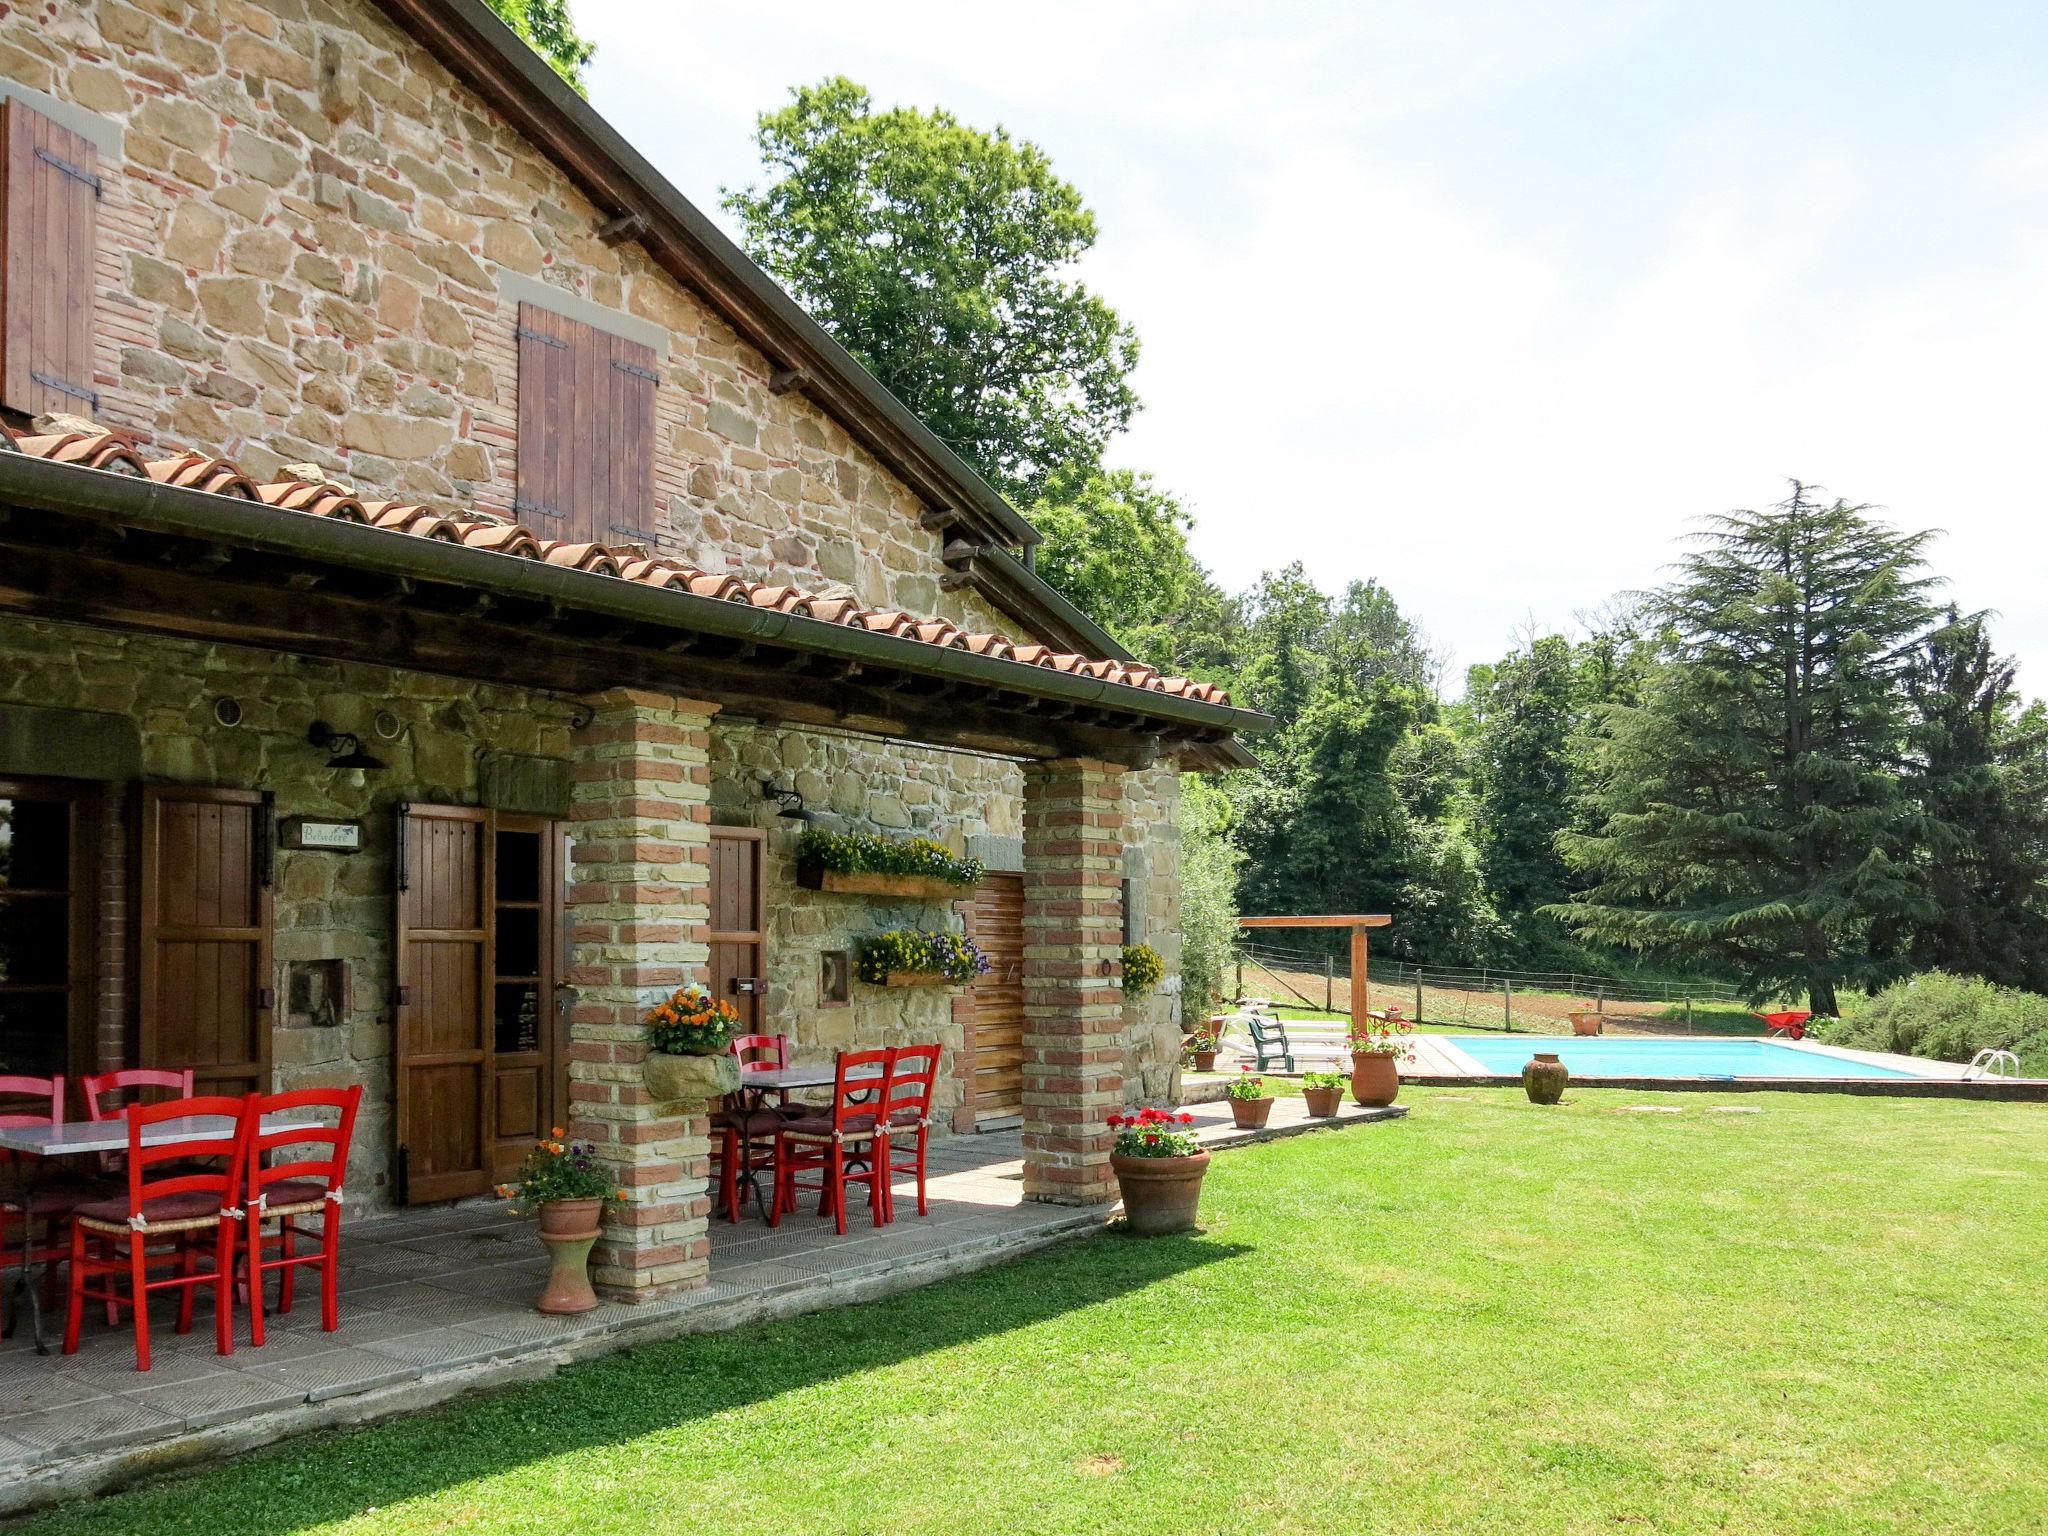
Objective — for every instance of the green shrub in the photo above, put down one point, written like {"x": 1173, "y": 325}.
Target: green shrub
{"x": 865, "y": 853}
{"x": 1947, "y": 1018}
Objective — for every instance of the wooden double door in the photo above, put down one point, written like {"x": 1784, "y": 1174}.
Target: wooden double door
{"x": 482, "y": 1062}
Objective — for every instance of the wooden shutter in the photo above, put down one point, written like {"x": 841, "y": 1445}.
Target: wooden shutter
{"x": 736, "y": 921}
{"x": 586, "y": 431}
{"x": 205, "y": 983}
{"x": 443, "y": 1081}
{"x": 51, "y": 195}
{"x": 997, "y": 927}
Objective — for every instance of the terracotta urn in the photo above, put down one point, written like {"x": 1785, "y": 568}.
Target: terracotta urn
{"x": 1375, "y": 1078}
{"x": 1585, "y": 1022}
{"x": 568, "y": 1228}
{"x": 1251, "y": 1114}
{"x": 1161, "y": 1194}
{"x": 1205, "y": 1061}
{"x": 1544, "y": 1078}
{"x": 1322, "y": 1102}
{"x": 692, "y": 1078}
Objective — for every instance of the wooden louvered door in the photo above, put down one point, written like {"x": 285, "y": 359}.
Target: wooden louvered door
{"x": 204, "y": 982}
{"x": 446, "y": 910}
{"x": 997, "y": 926}
{"x": 49, "y": 213}
{"x": 737, "y": 974}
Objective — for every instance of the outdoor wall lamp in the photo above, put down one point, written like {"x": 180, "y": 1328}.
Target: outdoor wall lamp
{"x": 345, "y": 746}
{"x": 792, "y": 802}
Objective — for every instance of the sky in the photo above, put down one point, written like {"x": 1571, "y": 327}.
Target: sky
{"x": 1486, "y": 299}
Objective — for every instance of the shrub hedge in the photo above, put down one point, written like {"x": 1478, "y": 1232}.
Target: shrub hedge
{"x": 1948, "y": 1018}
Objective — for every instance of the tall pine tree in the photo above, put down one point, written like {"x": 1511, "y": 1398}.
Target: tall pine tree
{"x": 1523, "y": 772}
{"x": 1749, "y": 809}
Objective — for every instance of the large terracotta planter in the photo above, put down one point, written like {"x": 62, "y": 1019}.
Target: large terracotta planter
{"x": 1322, "y": 1102}
{"x": 1205, "y": 1061}
{"x": 1161, "y": 1194}
{"x": 673, "y": 1079}
{"x": 1586, "y": 1023}
{"x": 1375, "y": 1078}
{"x": 1251, "y": 1114}
{"x": 1544, "y": 1078}
{"x": 568, "y": 1228}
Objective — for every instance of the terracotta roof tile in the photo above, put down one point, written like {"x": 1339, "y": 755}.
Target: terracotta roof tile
{"x": 119, "y": 453}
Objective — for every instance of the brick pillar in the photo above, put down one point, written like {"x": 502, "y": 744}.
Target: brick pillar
{"x": 640, "y": 913}
{"x": 1073, "y": 968}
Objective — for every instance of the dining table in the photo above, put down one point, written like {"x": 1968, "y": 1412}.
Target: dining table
{"x": 757, "y": 1083}
{"x": 39, "y": 1146}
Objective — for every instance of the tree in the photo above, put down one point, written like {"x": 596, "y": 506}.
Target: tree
{"x": 550, "y": 31}
{"x": 1522, "y": 771}
{"x": 1749, "y": 808}
{"x": 942, "y": 257}
{"x": 1976, "y": 778}
{"x": 1286, "y": 637}
{"x": 1208, "y": 893}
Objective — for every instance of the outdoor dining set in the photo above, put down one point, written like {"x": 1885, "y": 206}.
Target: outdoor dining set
{"x": 179, "y": 1192}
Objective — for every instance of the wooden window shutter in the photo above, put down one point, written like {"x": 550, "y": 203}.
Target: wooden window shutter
{"x": 47, "y": 241}
{"x": 586, "y": 431}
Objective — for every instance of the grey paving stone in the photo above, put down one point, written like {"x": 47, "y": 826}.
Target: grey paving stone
{"x": 95, "y": 1424}
{"x": 219, "y": 1398}
{"x": 334, "y": 1373}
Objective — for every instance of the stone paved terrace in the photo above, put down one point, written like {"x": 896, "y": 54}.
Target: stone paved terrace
{"x": 435, "y": 1303}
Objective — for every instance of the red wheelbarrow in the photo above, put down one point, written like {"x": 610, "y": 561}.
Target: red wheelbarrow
{"x": 1786, "y": 1026}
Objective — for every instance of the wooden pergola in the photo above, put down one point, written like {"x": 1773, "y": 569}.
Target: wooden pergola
{"x": 1358, "y": 924}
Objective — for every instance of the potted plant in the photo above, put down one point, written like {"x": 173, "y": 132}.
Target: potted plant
{"x": 913, "y": 957}
{"x": 1143, "y": 969}
{"x": 566, "y": 1184}
{"x": 1158, "y": 1164}
{"x": 1323, "y": 1092}
{"x": 1587, "y": 1019}
{"x": 867, "y": 864}
{"x": 689, "y": 1043}
{"x": 1251, "y": 1101}
{"x": 1203, "y": 1045}
{"x": 1378, "y": 1043}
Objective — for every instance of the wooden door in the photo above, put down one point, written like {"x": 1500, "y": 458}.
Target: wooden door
{"x": 529, "y": 1019}
{"x": 206, "y": 998}
{"x": 997, "y": 926}
{"x": 47, "y": 867}
{"x": 443, "y": 1082}
{"x": 737, "y": 973}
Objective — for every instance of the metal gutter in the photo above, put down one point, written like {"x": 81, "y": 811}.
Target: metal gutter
{"x": 38, "y": 484}
{"x": 1000, "y": 574}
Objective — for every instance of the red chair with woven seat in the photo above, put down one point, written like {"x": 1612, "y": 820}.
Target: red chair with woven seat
{"x": 184, "y": 1206}
{"x": 912, "y": 1071}
{"x": 45, "y": 1201}
{"x": 843, "y": 1143}
{"x": 108, "y": 1094}
{"x": 306, "y": 1181}
{"x": 741, "y": 1125}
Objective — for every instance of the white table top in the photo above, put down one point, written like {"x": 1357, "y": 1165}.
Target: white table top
{"x": 81, "y": 1136}
{"x": 818, "y": 1075}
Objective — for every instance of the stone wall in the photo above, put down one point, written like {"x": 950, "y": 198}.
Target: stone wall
{"x": 1152, "y": 865}
{"x": 313, "y": 242}
{"x": 327, "y": 905}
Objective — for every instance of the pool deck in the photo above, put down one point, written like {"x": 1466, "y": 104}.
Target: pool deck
{"x": 1438, "y": 1062}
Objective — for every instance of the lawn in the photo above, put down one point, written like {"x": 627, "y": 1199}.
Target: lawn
{"x": 1824, "y": 1314}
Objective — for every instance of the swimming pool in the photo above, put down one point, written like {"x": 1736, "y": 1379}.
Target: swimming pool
{"x": 1704, "y": 1059}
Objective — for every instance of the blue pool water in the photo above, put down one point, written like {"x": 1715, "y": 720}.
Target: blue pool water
{"x": 1607, "y": 1056}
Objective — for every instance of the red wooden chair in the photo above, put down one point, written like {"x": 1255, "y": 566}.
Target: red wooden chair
{"x": 912, "y": 1070}
{"x": 743, "y": 1123}
{"x": 305, "y": 1181}
{"x": 183, "y": 1206}
{"x": 41, "y": 1203}
{"x": 842, "y": 1143}
{"x": 108, "y": 1094}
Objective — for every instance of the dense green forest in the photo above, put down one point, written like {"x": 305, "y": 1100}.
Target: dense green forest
{"x": 1789, "y": 766}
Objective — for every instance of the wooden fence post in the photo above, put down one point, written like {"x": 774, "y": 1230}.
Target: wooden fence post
{"x": 1507, "y": 999}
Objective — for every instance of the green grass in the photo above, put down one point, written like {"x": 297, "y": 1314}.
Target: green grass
{"x": 1823, "y": 1317}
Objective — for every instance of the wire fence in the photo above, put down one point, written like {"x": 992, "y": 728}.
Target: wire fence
{"x": 1536, "y": 1002}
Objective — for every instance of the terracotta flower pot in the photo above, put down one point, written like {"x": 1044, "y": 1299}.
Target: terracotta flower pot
{"x": 568, "y": 1228}
{"x": 1161, "y": 1194}
{"x": 1322, "y": 1102}
{"x": 1250, "y": 1114}
{"x": 1585, "y": 1023}
{"x": 1205, "y": 1061}
{"x": 1544, "y": 1078}
{"x": 1375, "y": 1078}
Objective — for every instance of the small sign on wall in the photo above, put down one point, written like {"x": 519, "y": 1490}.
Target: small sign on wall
{"x": 324, "y": 833}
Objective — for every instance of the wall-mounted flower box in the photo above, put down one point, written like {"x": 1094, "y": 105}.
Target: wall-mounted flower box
{"x": 861, "y": 863}
{"x": 912, "y": 957}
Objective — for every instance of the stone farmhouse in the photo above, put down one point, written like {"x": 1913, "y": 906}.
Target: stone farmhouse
{"x": 435, "y": 562}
